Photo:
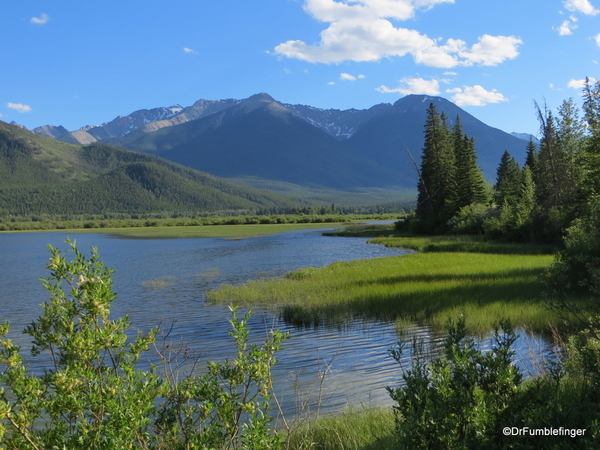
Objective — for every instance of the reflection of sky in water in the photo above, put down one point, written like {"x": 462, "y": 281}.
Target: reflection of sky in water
{"x": 164, "y": 281}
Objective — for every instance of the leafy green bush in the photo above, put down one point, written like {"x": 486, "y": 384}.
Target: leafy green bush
{"x": 577, "y": 267}
{"x": 470, "y": 219}
{"x": 460, "y": 401}
{"x": 93, "y": 395}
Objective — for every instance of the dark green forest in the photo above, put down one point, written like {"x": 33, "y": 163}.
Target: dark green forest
{"x": 40, "y": 176}
{"x": 558, "y": 184}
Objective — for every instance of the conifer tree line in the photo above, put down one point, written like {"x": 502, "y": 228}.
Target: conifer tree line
{"x": 449, "y": 179}
{"x": 558, "y": 184}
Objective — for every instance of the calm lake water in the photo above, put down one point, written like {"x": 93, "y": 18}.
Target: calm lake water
{"x": 164, "y": 281}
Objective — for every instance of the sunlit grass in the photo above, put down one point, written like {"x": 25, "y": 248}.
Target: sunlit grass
{"x": 354, "y": 428}
{"x": 471, "y": 244}
{"x": 421, "y": 287}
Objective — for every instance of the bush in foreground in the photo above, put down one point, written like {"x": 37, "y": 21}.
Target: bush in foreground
{"x": 468, "y": 398}
{"x": 92, "y": 395}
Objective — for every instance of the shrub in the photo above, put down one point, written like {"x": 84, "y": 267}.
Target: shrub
{"x": 93, "y": 395}
{"x": 577, "y": 267}
{"x": 470, "y": 219}
{"x": 459, "y": 401}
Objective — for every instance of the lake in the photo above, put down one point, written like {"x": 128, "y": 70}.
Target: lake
{"x": 160, "y": 282}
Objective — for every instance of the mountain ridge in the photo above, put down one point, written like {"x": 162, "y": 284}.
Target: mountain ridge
{"x": 341, "y": 124}
{"x": 262, "y": 138}
{"x": 40, "y": 175}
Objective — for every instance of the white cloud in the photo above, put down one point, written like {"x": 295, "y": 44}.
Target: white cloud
{"x": 189, "y": 50}
{"x": 582, "y": 6}
{"x": 413, "y": 86}
{"x": 492, "y": 50}
{"x": 331, "y": 83}
{"x": 566, "y": 28}
{"x": 475, "y": 96}
{"x": 19, "y": 107}
{"x": 579, "y": 84}
{"x": 42, "y": 20}
{"x": 360, "y": 30}
{"x": 348, "y": 77}
{"x": 359, "y": 41}
{"x": 597, "y": 39}
{"x": 332, "y": 11}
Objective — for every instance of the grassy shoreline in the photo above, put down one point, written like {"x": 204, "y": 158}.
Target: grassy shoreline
{"x": 485, "y": 282}
{"x": 180, "y": 228}
{"x": 421, "y": 287}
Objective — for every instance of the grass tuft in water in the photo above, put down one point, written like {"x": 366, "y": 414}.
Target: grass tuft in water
{"x": 353, "y": 428}
{"x": 422, "y": 287}
{"x": 159, "y": 282}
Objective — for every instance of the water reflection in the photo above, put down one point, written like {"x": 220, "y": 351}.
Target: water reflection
{"x": 163, "y": 282}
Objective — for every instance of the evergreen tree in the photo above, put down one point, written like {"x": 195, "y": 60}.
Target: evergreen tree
{"x": 532, "y": 155}
{"x": 526, "y": 201}
{"x": 591, "y": 109}
{"x": 558, "y": 173}
{"x": 508, "y": 180}
{"x": 470, "y": 184}
{"x": 591, "y": 154}
{"x": 437, "y": 179}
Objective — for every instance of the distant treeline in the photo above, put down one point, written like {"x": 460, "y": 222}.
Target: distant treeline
{"x": 45, "y": 180}
{"x": 188, "y": 221}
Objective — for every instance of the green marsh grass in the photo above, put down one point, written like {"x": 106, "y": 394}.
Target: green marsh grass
{"x": 421, "y": 287}
{"x": 353, "y": 428}
{"x": 470, "y": 244}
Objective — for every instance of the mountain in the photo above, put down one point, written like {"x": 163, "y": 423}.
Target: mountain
{"x": 261, "y": 138}
{"x": 264, "y": 139}
{"x": 339, "y": 124}
{"x": 526, "y": 137}
{"x": 144, "y": 119}
{"x": 39, "y": 175}
{"x": 395, "y": 139}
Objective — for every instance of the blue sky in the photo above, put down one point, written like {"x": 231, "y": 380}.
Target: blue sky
{"x": 77, "y": 63}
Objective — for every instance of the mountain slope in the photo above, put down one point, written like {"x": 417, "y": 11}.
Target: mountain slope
{"x": 262, "y": 138}
{"x": 386, "y": 138}
{"x": 144, "y": 120}
{"x": 39, "y": 175}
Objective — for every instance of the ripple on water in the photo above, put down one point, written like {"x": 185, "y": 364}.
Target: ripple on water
{"x": 163, "y": 282}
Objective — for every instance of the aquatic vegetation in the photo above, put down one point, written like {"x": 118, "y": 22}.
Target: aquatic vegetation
{"x": 422, "y": 287}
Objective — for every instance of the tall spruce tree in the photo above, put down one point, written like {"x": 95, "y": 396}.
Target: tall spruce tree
{"x": 508, "y": 181}
{"x": 532, "y": 155}
{"x": 591, "y": 160}
{"x": 591, "y": 109}
{"x": 526, "y": 201}
{"x": 558, "y": 173}
{"x": 470, "y": 184}
{"x": 437, "y": 180}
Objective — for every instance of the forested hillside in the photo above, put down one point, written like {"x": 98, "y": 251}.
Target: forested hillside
{"x": 553, "y": 197}
{"x": 39, "y": 175}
